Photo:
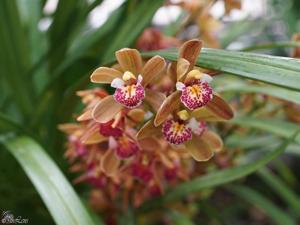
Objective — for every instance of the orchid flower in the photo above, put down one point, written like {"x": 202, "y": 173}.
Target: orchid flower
{"x": 130, "y": 80}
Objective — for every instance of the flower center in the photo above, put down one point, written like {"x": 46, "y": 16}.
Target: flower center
{"x": 196, "y": 95}
{"x": 131, "y": 93}
{"x": 176, "y": 132}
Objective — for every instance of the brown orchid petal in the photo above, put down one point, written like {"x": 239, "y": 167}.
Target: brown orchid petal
{"x": 152, "y": 69}
{"x": 199, "y": 149}
{"x": 137, "y": 115}
{"x": 83, "y": 93}
{"x": 95, "y": 138}
{"x": 154, "y": 99}
{"x": 190, "y": 50}
{"x": 182, "y": 68}
{"x": 172, "y": 71}
{"x": 105, "y": 75}
{"x": 147, "y": 130}
{"x": 89, "y": 131}
{"x": 110, "y": 163}
{"x": 165, "y": 160}
{"x": 213, "y": 140}
{"x": 215, "y": 110}
{"x": 220, "y": 108}
{"x": 87, "y": 115}
{"x": 69, "y": 128}
{"x": 130, "y": 60}
{"x": 167, "y": 107}
{"x": 149, "y": 144}
{"x": 106, "y": 109}
{"x": 205, "y": 114}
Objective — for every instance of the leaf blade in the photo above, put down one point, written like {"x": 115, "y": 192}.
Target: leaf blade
{"x": 58, "y": 195}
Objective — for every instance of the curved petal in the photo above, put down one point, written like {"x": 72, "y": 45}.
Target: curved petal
{"x": 137, "y": 115}
{"x": 171, "y": 71}
{"x": 69, "y": 128}
{"x": 213, "y": 140}
{"x": 149, "y": 144}
{"x": 215, "y": 110}
{"x": 205, "y": 114}
{"x": 154, "y": 99}
{"x": 105, "y": 75}
{"x": 95, "y": 138}
{"x": 167, "y": 107}
{"x": 220, "y": 108}
{"x": 110, "y": 163}
{"x": 87, "y": 115}
{"x": 182, "y": 68}
{"x": 106, "y": 109}
{"x": 147, "y": 130}
{"x": 153, "y": 68}
{"x": 89, "y": 131}
{"x": 199, "y": 149}
{"x": 130, "y": 60}
{"x": 190, "y": 50}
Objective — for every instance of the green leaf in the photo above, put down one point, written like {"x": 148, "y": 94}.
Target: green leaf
{"x": 282, "y": 93}
{"x": 259, "y": 143}
{"x": 283, "y": 44}
{"x": 178, "y": 218}
{"x": 60, "y": 198}
{"x": 14, "y": 56}
{"x": 280, "y": 71}
{"x": 276, "y": 214}
{"x": 67, "y": 19}
{"x": 134, "y": 24}
{"x": 6, "y": 124}
{"x": 218, "y": 178}
{"x": 280, "y": 128}
{"x": 281, "y": 189}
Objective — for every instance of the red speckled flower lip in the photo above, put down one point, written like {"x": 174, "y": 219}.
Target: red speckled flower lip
{"x": 126, "y": 148}
{"x": 196, "y": 94}
{"x": 176, "y": 132}
{"x": 129, "y": 95}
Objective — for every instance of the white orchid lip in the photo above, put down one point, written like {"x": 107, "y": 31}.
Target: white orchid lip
{"x": 207, "y": 78}
{"x": 180, "y": 86}
{"x": 197, "y": 127}
{"x": 117, "y": 83}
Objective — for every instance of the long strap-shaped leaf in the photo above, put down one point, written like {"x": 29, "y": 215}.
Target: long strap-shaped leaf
{"x": 56, "y": 192}
{"x": 282, "y": 190}
{"x": 281, "y": 71}
{"x": 257, "y": 199}
{"x": 280, "y": 128}
{"x": 217, "y": 178}
{"x": 241, "y": 87}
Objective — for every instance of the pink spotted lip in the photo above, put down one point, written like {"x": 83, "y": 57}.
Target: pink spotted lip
{"x": 196, "y": 95}
{"x": 176, "y": 132}
{"x": 130, "y": 96}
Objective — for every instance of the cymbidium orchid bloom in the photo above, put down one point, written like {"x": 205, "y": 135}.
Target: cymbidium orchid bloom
{"x": 182, "y": 115}
{"x": 130, "y": 79}
{"x": 184, "y": 131}
{"x": 146, "y": 137}
{"x": 193, "y": 84}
